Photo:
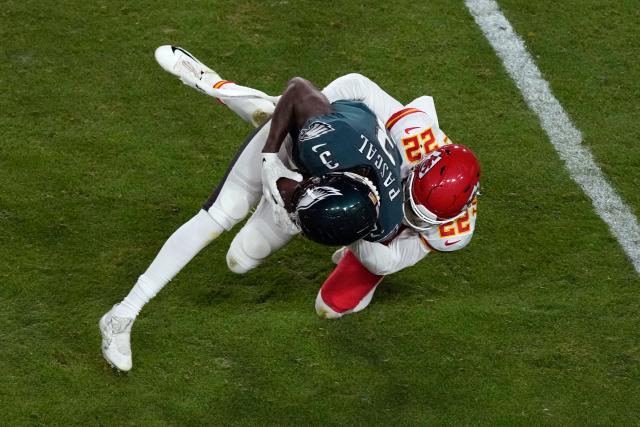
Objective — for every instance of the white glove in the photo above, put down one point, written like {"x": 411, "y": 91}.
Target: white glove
{"x": 283, "y": 220}
{"x": 272, "y": 170}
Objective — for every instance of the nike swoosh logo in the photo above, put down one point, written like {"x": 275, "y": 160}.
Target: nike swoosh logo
{"x": 408, "y": 130}
{"x": 315, "y": 147}
{"x": 448, "y": 243}
{"x": 174, "y": 48}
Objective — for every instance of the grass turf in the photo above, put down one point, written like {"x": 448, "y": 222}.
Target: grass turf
{"x": 103, "y": 155}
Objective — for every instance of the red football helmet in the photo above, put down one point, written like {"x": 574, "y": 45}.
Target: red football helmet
{"x": 441, "y": 186}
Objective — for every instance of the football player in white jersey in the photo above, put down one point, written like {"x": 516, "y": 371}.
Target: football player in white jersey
{"x": 441, "y": 188}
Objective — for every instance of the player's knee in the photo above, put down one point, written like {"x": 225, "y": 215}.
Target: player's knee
{"x": 232, "y": 205}
{"x": 248, "y": 249}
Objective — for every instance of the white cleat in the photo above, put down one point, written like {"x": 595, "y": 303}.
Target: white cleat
{"x": 116, "y": 340}
{"x": 186, "y": 67}
{"x": 326, "y": 312}
{"x": 250, "y": 107}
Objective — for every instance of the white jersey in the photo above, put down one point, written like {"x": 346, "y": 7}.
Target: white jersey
{"x": 414, "y": 128}
{"x": 416, "y": 132}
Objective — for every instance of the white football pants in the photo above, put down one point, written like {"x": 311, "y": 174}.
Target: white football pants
{"x": 229, "y": 204}
{"x": 241, "y": 190}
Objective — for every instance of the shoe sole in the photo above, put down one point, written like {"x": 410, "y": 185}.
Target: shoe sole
{"x": 102, "y": 325}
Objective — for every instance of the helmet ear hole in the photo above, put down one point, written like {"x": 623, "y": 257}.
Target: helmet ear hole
{"x": 442, "y": 170}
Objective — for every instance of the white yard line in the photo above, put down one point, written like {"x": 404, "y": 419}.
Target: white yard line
{"x": 564, "y": 136}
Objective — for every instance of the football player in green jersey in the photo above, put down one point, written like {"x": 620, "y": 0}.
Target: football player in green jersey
{"x": 440, "y": 203}
{"x": 332, "y": 137}
{"x": 321, "y": 140}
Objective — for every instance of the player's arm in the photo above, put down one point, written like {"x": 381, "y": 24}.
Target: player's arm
{"x": 356, "y": 87}
{"x": 403, "y": 251}
{"x": 299, "y": 102}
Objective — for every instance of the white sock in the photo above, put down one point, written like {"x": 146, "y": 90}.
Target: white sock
{"x": 183, "y": 245}
{"x": 255, "y": 111}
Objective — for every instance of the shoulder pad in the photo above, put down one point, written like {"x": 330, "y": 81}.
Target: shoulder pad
{"x": 409, "y": 118}
{"x": 426, "y": 104}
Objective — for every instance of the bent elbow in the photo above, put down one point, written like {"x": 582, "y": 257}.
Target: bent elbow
{"x": 299, "y": 84}
{"x": 356, "y": 78}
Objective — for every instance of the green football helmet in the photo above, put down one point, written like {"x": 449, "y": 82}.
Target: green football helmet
{"x": 337, "y": 208}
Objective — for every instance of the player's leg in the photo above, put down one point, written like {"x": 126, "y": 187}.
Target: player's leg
{"x": 259, "y": 238}
{"x": 184, "y": 244}
{"x": 229, "y": 204}
{"x": 195, "y": 74}
{"x": 348, "y": 289}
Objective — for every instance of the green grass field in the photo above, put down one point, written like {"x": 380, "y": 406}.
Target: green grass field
{"x": 103, "y": 155}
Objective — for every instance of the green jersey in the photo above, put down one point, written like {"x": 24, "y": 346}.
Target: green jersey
{"x": 350, "y": 139}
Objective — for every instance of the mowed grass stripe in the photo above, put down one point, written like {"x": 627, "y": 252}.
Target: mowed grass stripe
{"x": 556, "y": 123}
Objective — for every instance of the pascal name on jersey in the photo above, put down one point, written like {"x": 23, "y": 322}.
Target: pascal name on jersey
{"x": 350, "y": 139}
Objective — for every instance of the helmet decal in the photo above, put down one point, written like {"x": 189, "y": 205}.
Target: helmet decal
{"x": 314, "y": 130}
{"x": 313, "y": 195}
{"x": 337, "y": 208}
{"x": 428, "y": 163}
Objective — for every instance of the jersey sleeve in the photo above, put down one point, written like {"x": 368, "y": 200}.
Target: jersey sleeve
{"x": 405, "y": 250}
{"x": 453, "y": 235}
{"x": 426, "y": 104}
{"x": 356, "y": 87}
{"x": 416, "y": 132}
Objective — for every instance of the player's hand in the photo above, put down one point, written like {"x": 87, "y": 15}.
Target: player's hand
{"x": 272, "y": 170}
{"x": 283, "y": 220}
